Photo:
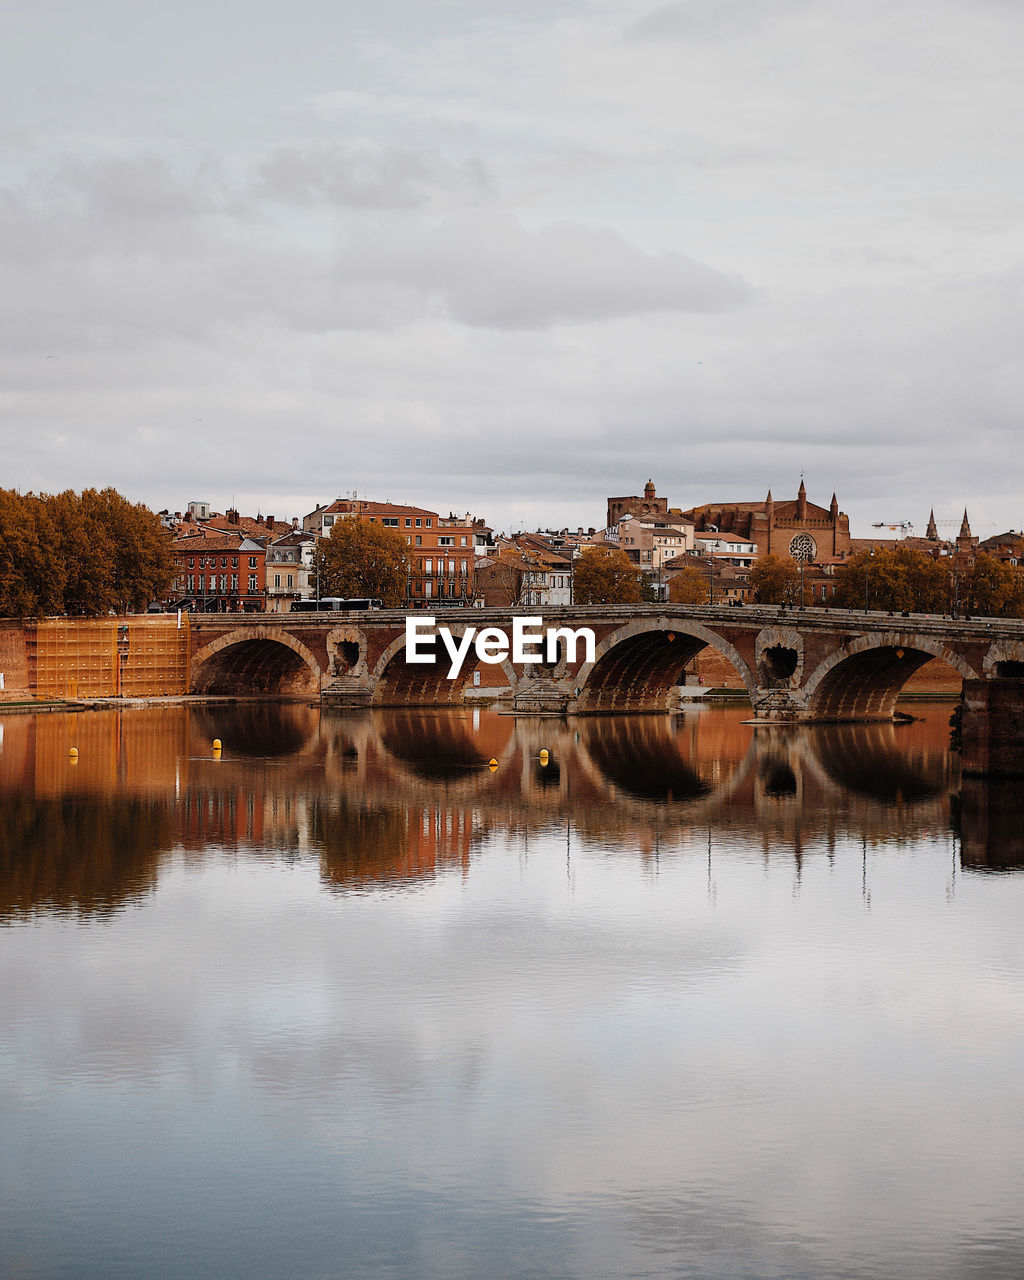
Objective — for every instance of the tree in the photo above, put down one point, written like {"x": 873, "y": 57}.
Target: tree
{"x": 85, "y": 553}
{"x": 774, "y": 580}
{"x": 29, "y": 582}
{"x": 364, "y": 560}
{"x": 689, "y": 586}
{"x": 989, "y": 588}
{"x": 901, "y": 579}
{"x": 141, "y": 560}
{"x": 604, "y": 575}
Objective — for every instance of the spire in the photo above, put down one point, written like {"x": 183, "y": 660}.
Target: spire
{"x": 802, "y": 491}
{"x": 932, "y": 532}
{"x": 801, "y": 500}
{"x": 833, "y": 506}
{"x": 965, "y": 528}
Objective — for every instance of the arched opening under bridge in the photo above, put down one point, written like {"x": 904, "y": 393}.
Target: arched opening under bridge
{"x": 864, "y": 680}
{"x": 426, "y": 684}
{"x": 246, "y": 664}
{"x": 635, "y": 667}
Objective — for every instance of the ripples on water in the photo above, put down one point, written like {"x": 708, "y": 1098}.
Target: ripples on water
{"x": 689, "y": 1000}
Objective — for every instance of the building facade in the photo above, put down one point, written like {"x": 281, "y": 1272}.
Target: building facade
{"x": 797, "y": 529}
{"x": 442, "y": 549}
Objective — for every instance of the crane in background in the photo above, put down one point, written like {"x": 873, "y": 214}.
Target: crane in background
{"x": 905, "y": 527}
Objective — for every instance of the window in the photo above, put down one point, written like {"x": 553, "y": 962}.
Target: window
{"x": 234, "y": 583}
{"x": 462, "y": 542}
{"x": 446, "y": 542}
{"x": 408, "y": 522}
{"x": 427, "y": 588}
{"x": 191, "y": 583}
{"x": 223, "y": 583}
{"x": 223, "y": 562}
{"x": 253, "y": 562}
{"x": 277, "y": 579}
{"x": 290, "y": 579}
{"x": 419, "y": 522}
{"x": 427, "y": 566}
{"x": 419, "y": 538}
{"x": 328, "y": 521}
{"x": 391, "y": 522}
{"x": 234, "y": 562}
{"x": 253, "y": 588}
{"x": 191, "y": 565}
{"x": 213, "y": 584}
{"x": 430, "y": 523}
{"x": 465, "y": 567}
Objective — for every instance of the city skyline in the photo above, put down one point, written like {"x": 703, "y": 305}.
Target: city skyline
{"x": 534, "y": 256}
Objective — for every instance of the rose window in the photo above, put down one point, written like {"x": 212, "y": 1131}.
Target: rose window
{"x": 802, "y": 547}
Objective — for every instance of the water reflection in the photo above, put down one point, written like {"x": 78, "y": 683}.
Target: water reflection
{"x": 393, "y": 796}
{"x": 690, "y": 999}
{"x": 989, "y": 818}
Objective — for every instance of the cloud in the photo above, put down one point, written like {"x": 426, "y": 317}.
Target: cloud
{"x": 490, "y": 270}
{"x": 710, "y": 19}
{"x": 366, "y": 175}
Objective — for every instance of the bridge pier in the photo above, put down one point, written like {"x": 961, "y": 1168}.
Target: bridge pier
{"x": 778, "y": 705}
{"x": 992, "y": 728}
{"x": 542, "y": 696}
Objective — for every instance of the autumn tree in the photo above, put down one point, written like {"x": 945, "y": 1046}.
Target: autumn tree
{"x": 774, "y": 580}
{"x": 989, "y": 588}
{"x": 605, "y": 575}
{"x": 689, "y": 586}
{"x": 364, "y": 560}
{"x": 86, "y": 553}
{"x": 897, "y": 578}
{"x": 29, "y": 582}
{"x": 141, "y": 563}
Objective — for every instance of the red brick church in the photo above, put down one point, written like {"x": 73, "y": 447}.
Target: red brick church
{"x": 795, "y": 528}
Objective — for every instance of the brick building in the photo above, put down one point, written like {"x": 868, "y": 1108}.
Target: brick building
{"x": 795, "y": 528}
{"x": 442, "y": 549}
{"x": 219, "y": 572}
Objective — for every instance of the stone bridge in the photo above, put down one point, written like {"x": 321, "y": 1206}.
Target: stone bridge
{"x": 796, "y": 664}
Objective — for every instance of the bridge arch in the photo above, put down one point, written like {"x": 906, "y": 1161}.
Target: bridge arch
{"x": 255, "y": 660}
{"x": 401, "y": 683}
{"x": 863, "y": 679}
{"x": 635, "y": 666}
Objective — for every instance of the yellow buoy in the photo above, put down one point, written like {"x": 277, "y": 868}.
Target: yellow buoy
{"x": 544, "y": 756}
{"x": 492, "y": 764}
{"x": 216, "y": 744}
{"x": 73, "y": 753}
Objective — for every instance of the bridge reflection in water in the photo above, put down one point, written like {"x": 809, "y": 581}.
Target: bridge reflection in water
{"x": 393, "y": 796}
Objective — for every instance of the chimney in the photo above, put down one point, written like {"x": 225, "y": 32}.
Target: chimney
{"x": 295, "y": 523}
{"x": 232, "y": 516}
{"x": 270, "y": 523}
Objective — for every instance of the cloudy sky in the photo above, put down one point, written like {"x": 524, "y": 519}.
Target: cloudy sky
{"x": 515, "y": 258}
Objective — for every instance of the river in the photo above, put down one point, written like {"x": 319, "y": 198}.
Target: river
{"x": 685, "y": 998}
